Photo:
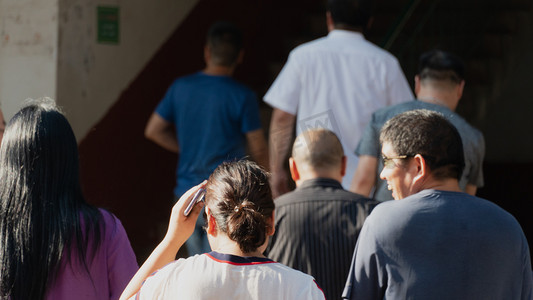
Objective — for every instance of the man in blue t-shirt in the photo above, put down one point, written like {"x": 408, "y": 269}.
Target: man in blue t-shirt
{"x": 208, "y": 118}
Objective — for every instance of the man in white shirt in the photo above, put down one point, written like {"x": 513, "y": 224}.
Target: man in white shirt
{"x": 335, "y": 82}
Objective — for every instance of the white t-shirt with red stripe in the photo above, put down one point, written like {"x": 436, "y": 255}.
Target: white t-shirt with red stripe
{"x": 222, "y": 276}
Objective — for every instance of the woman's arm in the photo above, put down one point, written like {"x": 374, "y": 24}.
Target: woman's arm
{"x": 179, "y": 230}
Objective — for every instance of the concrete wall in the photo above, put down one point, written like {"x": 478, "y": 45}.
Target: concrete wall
{"x": 50, "y": 48}
{"x": 91, "y": 75}
{"x": 28, "y": 51}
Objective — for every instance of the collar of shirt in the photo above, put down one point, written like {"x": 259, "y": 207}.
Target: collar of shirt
{"x": 325, "y": 182}
{"x": 344, "y": 34}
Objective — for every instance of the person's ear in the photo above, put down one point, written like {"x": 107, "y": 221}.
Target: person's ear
{"x": 329, "y": 21}
{"x": 207, "y": 54}
{"x": 271, "y": 224}
{"x": 211, "y": 223}
{"x": 420, "y": 169}
{"x": 293, "y": 168}
{"x": 343, "y": 165}
{"x": 417, "y": 85}
{"x": 459, "y": 89}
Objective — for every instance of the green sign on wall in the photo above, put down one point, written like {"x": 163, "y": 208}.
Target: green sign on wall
{"x": 108, "y": 24}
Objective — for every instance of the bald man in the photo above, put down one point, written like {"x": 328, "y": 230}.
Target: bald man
{"x": 317, "y": 224}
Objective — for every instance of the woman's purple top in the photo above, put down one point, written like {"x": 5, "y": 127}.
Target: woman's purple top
{"x": 110, "y": 270}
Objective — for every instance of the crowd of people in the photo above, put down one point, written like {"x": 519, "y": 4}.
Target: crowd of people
{"x": 384, "y": 205}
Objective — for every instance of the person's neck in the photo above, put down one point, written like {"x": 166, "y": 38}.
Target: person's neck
{"x": 217, "y": 70}
{"x": 227, "y": 246}
{"x": 439, "y": 98}
{"x": 448, "y": 185}
{"x": 334, "y": 176}
{"x": 347, "y": 28}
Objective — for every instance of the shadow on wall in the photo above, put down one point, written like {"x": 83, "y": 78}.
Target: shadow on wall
{"x": 131, "y": 176}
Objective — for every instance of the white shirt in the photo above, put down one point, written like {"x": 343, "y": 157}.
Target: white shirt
{"x": 337, "y": 82}
{"x": 222, "y": 276}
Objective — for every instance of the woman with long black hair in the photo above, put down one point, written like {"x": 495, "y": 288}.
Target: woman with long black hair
{"x": 54, "y": 245}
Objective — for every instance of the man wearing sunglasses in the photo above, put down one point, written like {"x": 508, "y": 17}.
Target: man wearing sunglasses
{"x": 439, "y": 87}
{"x": 436, "y": 242}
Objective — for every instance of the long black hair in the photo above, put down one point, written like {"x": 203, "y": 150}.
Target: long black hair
{"x": 41, "y": 202}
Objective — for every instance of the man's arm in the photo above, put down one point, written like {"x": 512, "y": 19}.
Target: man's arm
{"x": 162, "y": 133}
{"x": 180, "y": 228}
{"x": 367, "y": 278}
{"x": 258, "y": 147}
{"x": 281, "y": 131}
{"x": 364, "y": 177}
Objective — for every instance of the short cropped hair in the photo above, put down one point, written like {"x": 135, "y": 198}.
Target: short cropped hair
{"x": 352, "y": 13}
{"x": 441, "y": 65}
{"x": 320, "y": 149}
{"x": 225, "y": 42}
{"x": 429, "y": 134}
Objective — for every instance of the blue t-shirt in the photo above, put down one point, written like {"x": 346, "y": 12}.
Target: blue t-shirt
{"x": 211, "y": 114}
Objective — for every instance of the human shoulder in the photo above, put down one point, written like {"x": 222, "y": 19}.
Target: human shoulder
{"x": 186, "y": 79}
{"x": 109, "y": 220}
{"x": 487, "y": 208}
{"x": 396, "y": 212}
{"x": 182, "y": 266}
{"x": 466, "y": 129}
{"x": 344, "y": 41}
{"x": 297, "y": 283}
{"x": 318, "y": 191}
{"x": 383, "y": 114}
{"x": 239, "y": 85}
{"x": 308, "y": 47}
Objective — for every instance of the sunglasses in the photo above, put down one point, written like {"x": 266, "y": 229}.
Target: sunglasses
{"x": 388, "y": 162}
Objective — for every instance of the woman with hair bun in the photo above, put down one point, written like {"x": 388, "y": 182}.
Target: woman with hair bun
{"x": 240, "y": 219}
{"x": 54, "y": 244}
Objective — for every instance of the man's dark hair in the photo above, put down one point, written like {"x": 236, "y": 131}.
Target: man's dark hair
{"x": 441, "y": 65}
{"x": 225, "y": 42}
{"x": 351, "y": 13}
{"x": 429, "y": 134}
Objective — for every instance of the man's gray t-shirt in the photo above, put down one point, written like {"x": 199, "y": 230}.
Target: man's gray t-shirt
{"x": 473, "y": 143}
{"x": 440, "y": 245}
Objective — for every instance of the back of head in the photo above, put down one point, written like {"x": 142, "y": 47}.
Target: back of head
{"x": 239, "y": 198}
{"x": 40, "y": 151}
{"x": 351, "y": 14}
{"x": 429, "y": 134}
{"x": 438, "y": 65}
{"x": 40, "y": 198}
{"x": 317, "y": 149}
{"x": 225, "y": 43}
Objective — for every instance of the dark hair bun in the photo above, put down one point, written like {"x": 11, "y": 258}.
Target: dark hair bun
{"x": 247, "y": 227}
{"x": 240, "y": 199}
